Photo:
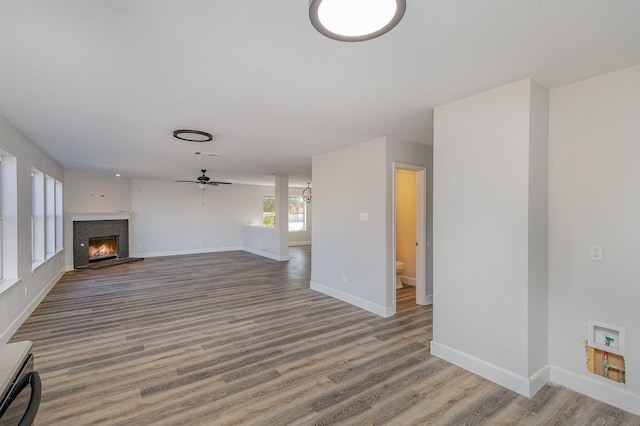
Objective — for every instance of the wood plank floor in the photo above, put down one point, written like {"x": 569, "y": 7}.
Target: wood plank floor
{"x": 233, "y": 338}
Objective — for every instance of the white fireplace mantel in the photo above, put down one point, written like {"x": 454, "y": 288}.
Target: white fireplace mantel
{"x": 83, "y": 217}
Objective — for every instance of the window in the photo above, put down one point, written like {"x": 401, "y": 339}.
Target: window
{"x": 37, "y": 218}
{"x": 8, "y": 221}
{"x": 50, "y": 216}
{"x": 59, "y": 237}
{"x": 297, "y": 210}
{"x": 269, "y": 211}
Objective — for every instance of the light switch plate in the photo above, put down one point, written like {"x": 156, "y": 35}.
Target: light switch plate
{"x": 364, "y": 217}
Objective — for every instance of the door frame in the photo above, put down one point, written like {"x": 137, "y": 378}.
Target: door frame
{"x": 421, "y": 228}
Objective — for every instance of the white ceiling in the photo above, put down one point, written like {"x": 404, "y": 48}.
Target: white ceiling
{"x": 101, "y": 84}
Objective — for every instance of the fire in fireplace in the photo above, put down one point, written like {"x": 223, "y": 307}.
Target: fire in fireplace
{"x": 103, "y": 248}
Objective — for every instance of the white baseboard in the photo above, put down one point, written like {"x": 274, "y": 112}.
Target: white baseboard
{"x": 354, "y": 300}
{"x": 426, "y": 300}
{"x": 266, "y": 254}
{"x": 522, "y": 385}
{"x": 597, "y": 387}
{"x": 300, "y": 243}
{"x": 28, "y": 310}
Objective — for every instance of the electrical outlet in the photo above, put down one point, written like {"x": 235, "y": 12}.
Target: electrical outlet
{"x": 26, "y": 290}
{"x": 596, "y": 253}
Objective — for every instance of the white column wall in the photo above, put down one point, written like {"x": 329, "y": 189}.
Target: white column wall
{"x": 282, "y": 216}
{"x": 481, "y": 224}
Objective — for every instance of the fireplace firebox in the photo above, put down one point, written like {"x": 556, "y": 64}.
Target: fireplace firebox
{"x": 103, "y": 248}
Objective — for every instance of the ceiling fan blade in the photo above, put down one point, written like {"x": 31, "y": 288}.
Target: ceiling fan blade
{"x": 187, "y": 181}
{"x": 215, "y": 183}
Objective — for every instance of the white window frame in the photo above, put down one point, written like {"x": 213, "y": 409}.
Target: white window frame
{"x": 59, "y": 243}
{"x": 8, "y": 221}
{"x": 37, "y": 218}
{"x": 50, "y": 216}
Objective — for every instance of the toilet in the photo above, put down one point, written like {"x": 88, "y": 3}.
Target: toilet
{"x": 399, "y": 270}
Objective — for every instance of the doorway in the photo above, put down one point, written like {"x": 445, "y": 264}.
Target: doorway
{"x": 409, "y": 228}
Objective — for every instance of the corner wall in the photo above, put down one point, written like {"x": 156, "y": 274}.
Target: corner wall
{"x": 489, "y": 198}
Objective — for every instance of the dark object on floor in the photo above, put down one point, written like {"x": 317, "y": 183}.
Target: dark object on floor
{"x": 110, "y": 262}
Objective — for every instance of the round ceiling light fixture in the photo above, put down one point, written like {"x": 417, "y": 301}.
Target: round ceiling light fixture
{"x": 355, "y": 20}
{"x": 192, "y": 135}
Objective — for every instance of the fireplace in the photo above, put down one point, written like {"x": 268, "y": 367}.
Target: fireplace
{"x": 103, "y": 248}
{"x": 96, "y": 240}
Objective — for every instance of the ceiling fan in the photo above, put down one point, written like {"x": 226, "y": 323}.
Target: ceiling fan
{"x": 204, "y": 180}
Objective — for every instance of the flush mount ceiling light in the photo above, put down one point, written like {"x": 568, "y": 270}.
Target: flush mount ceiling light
{"x": 192, "y": 135}
{"x": 355, "y": 20}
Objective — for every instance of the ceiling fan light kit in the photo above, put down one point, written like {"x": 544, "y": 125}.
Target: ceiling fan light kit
{"x": 192, "y": 135}
{"x": 355, "y": 20}
{"x": 204, "y": 181}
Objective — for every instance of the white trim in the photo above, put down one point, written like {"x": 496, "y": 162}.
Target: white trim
{"x": 84, "y": 217}
{"x": 386, "y": 312}
{"x": 266, "y": 254}
{"x": 299, "y": 243}
{"x": 539, "y": 379}
{"x": 428, "y": 300}
{"x": 598, "y": 388}
{"x": 421, "y": 226}
{"x": 28, "y": 310}
{"x": 6, "y": 284}
{"x": 508, "y": 379}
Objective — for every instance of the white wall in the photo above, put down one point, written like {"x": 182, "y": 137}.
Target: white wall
{"x": 348, "y": 260}
{"x": 348, "y": 182}
{"x": 17, "y": 303}
{"x": 87, "y": 192}
{"x": 484, "y": 211}
{"x": 594, "y": 199}
{"x": 169, "y": 218}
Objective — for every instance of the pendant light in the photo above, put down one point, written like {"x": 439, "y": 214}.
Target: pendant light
{"x": 306, "y": 194}
{"x": 355, "y": 20}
